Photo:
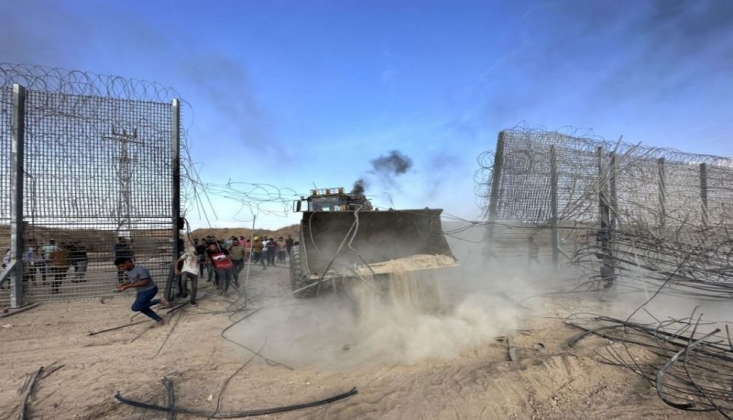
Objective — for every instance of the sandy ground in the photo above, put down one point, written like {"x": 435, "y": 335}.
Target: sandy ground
{"x": 455, "y": 369}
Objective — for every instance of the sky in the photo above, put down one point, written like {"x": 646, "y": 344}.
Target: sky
{"x": 282, "y": 96}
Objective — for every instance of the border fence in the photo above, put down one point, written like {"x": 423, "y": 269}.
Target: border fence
{"x": 615, "y": 209}
{"x": 91, "y": 170}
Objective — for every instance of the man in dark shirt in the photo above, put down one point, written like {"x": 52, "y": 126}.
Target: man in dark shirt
{"x": 271, "y": 251}
{"x": 79, "y": 260}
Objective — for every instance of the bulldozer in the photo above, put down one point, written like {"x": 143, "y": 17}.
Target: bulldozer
{"x": 343, "y": 237}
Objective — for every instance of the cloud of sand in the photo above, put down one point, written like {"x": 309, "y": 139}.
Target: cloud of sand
{"x": 437, "y": 315}
{"x": 398, "y": 333}
{"x": 333, "y": 331}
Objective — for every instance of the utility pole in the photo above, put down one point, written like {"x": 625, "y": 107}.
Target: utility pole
{"x": 124, "y": 203}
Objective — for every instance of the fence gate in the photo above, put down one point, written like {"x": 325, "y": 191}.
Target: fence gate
{"x": 92, "y": 166}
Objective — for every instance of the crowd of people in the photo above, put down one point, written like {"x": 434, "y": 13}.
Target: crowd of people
{"x": 261, "y": 250}
{"x": 222, "y": 261}
{"x": 52, "y": 262}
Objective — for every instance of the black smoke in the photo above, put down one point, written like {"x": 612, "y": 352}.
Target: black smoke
{"x": 391, "y": 165}
{"x": 359, "y": 187}
{"x": 386, "y": 168}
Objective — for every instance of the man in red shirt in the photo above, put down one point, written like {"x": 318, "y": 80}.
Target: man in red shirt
{"x": 220, "y": 261}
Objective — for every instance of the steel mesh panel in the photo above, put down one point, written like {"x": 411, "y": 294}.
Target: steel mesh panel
{"x": 98, "y": 165}
{"x": 720, "y": 194}
{"x": 525, "y": 184}
{"x": 637, "y": 188}
{"x": 682, "y": 200}
{"x": 84, "y": 154}
{"x": 6, "y": 133}
{"x": 673, "y": 214}
{"x": 524, "y": 194}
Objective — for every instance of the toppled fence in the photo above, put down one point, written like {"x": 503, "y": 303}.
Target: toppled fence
{"x": 616, "y": 209}
{"x": 90, "y": 166}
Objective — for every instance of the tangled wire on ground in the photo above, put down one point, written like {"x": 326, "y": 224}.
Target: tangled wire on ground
{"x": 690, "y": 369}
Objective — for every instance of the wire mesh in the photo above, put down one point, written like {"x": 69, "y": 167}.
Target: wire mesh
{"x": 669, "y": 218}
{"x": 6, "y": 112}
{"x": 98, "y": 167}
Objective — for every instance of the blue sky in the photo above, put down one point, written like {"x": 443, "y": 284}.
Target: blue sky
{"x": 296, "y": 93}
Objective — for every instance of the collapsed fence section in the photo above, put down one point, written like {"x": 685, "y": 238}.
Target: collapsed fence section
{"x": 615, "y": 208}
{"x": 96, "y": 165}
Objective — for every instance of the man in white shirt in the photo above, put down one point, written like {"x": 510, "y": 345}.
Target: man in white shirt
{"x": 188, "y": 268}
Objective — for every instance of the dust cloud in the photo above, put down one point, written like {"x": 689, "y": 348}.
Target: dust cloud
{"x": 335, "y": 331}
{"x": 410, "y": 317}
{"x": 435, "y": 316}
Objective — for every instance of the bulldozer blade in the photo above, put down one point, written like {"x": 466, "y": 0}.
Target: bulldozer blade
{"x": 339, "y": 241}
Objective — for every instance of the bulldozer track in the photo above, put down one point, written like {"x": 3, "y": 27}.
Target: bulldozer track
{"x": 297, "y": 280}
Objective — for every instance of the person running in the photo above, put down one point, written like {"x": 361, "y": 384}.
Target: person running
{"x": 59, "y": 263}
{"x": 79, "y": 260}
{"x": 138, "y": 277}
{"x": 32, "y": 262}
{"x": 271, "y": 251}
{"x": 281, "y": 248}
{"x": 247, "y": 245}
{"x": 220, "y": 261}
{"x": 257, "y": 252}
{"x": 236, "y": 253}
{"x": 189, "y": 270}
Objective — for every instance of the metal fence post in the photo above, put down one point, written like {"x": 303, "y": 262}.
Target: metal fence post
{"x": 176, "y": 189}
{"x": 494, "y": 198}
{"x": 662, "y": 194}
{"x": 16, "y": 194}
{"x": 603, "y": 208}
{"x": 704, "y": 193}
{"x": 605, "y": 233}
{"x": 176, "y": 174}
{"x": 553, "y": 206}
{"x": 615, "y": 223}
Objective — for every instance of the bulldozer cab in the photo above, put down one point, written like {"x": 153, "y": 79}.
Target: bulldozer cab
{"x": 332, "y": 199}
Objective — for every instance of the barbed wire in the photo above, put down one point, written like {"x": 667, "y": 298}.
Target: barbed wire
{"x": 252, "y": 199}
{"x": 83, "y": 83}
{"x": 666, "y": 208}
{"x": 80, "y": 95}
{"x": 524, "y": 190}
